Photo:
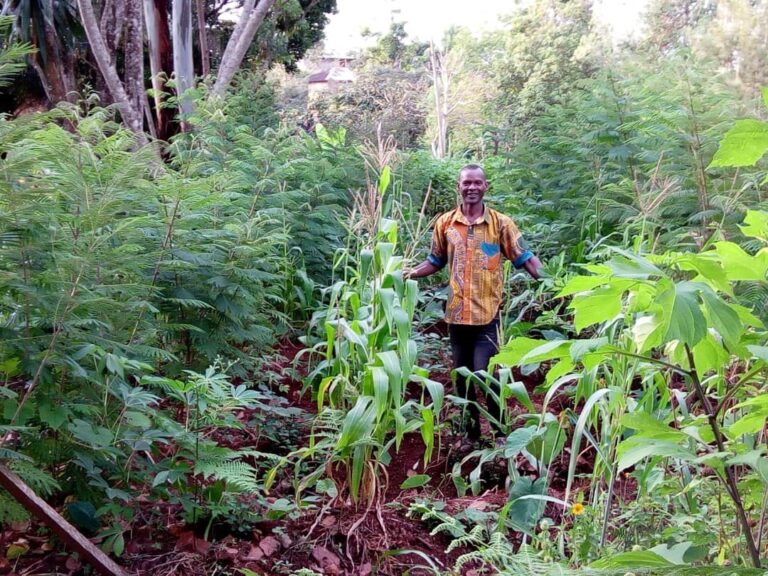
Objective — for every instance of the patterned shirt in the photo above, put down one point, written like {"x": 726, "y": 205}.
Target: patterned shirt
{"x": 473, "y": 253}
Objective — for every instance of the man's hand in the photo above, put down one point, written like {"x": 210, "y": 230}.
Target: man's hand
{"x": 532, "y": 266}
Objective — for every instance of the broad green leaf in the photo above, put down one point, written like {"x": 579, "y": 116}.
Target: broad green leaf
{"x": 724, "y": 319}
{"x": 742, "y": 145}
{"x": 84, "y": 515}
{"x": 548, "y": 443}
{"x": 380, "y": 389}
{"x": 582, "y": 284}
{"x": 636, "y": 449}
{"x": 631, "y": 265}
{"x": 416, "y": 481}
{"x": 402, "y": 324}
{"x": 640, "y": 298}
{"x": 514, "y": 351}
{"x": 739, "y": 265}
{"x": 427, "y": 432}
{"x": 518, "y": 440}
{"x": 709, "y": 355}
{"x": 391, "y": 363}
{"x": 520, "y": 393}
{"x": 709, "y": 269}
{"x": 581, "y": 347}
{"x": 53, "y": 415}
{"x": 756, "y": 460}
{"x": 647, "y": 426}
{"x": 749, "y": 424}
{"x": 686, "y": 322}
{"x": 383, "y": 252}
{"x": 648, "y": 331}
{"x": 525, "y": 513}
{"x": 755, "y": 225}
{"x": 547, "y": 351}
{"x": 95, "y": 436}
{"x": 761, "y": 400}
{"x": 597, "y": 306}
{"x": 630, "y": 560}
{"x": 673, "y": 554}
{"x": 560, "y": 369}
{"x": 358, "y": 423}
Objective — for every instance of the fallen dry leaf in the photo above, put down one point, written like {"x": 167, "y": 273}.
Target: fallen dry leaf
{"x": 190, "y": 543}
{"x": 327, "y": 560}
{"x": 269, "y": 545}
{"x": 254, "y": 554}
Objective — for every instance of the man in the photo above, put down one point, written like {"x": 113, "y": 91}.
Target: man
{"x": 471, "y": 240}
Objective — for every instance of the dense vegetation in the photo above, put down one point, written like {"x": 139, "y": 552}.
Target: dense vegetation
{"x": 209, "y": 352}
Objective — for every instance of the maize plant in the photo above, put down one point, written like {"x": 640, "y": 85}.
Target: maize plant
{"x": 368, "y": 377}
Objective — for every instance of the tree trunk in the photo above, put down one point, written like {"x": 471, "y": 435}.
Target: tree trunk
{"x": 111, "y": 23}
{"x": 134, "y": 55}
{"x": 441, "y": 95}
{"x": 183, "y": 63}
{"x": 238, "y": 44}
{"x": 58, "y": 75}
{"x": 131, "y": 116}
{"x": 160, "y": 61}
{"x": 205, "y": 57}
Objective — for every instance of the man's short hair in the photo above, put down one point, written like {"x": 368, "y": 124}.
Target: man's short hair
{"x": 472, "y": 167}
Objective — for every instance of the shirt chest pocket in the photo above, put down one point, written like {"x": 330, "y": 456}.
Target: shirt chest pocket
{"x": 490, "y": 256}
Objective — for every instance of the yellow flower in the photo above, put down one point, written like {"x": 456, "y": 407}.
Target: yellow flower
{"x": 577, "y": 509}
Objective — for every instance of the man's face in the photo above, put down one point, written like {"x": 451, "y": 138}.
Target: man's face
{"x": 472, "y": 186}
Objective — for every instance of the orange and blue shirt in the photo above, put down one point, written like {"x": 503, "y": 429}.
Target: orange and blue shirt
{"x": 473, "y": 254}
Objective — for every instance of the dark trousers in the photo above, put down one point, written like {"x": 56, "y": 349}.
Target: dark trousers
{"x": 473, "y": 347}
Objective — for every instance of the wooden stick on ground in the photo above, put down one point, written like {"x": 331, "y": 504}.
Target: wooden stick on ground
{"x": 68, "y": 533}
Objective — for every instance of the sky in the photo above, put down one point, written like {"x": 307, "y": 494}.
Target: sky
{"x": 428, "y": 19}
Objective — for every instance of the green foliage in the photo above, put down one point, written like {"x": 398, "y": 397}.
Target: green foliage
{"x": 382, "y": 102}
{"x": 544, "y": 55}
{"x": 368, "y": 355}
{"x": 625, "y": 158}
{"x": 11, "y": 53}
{"x": 297, "y": 26}
{"x": 672, "y": 314}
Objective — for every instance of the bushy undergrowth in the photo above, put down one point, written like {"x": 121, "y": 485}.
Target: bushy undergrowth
{"x": 137, "y": 298}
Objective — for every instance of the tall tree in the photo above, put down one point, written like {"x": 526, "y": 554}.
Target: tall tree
{"x": 134, "y": 54}
{"x": 670, "y": 23}
{"x": 160, "y": 60}
{"x": 202, "y": 35}
{"x": 183, "y": 62}
{"x": 737, "y": 38}
{"x": 52, "y": 28}
{"x": 545, "y": 54}
{"x": 250, "y": 20}
{"x": 441, "y": 78}
{"x": 131, "y": 116}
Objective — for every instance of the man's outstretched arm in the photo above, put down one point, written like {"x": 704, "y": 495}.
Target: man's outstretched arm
{"x": 426, "y": 268}
{"x": 532, "y": 266}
